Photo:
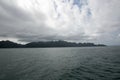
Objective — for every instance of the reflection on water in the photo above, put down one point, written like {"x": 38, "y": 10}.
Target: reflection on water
{"x": 89, "y": 63}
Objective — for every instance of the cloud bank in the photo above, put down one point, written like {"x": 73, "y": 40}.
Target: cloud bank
{"x": 95, "y": 21}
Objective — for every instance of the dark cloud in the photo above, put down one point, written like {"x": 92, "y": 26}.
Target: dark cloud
{"x": 17, "y": 23}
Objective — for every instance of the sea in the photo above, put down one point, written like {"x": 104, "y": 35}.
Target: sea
{"x": 70, "y": 63}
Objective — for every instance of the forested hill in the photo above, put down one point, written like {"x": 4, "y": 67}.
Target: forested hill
{"x": 43, "y": 44}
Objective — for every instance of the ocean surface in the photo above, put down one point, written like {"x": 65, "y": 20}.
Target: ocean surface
{"x": 79, "y": 63}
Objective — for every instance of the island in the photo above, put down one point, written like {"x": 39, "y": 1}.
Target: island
{"x": 45, "y": 44}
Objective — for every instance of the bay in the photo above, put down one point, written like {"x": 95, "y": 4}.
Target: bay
{"x": 72, "y": 63}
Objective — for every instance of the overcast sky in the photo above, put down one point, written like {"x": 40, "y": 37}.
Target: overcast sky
{"x": 95, "y": 21}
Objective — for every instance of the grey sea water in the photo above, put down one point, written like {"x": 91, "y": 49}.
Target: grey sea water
{"x": 82, "y": 63}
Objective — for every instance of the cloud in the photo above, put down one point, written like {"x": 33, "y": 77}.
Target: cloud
{"x": 73, "y": 20}
{"x": 106, "y": 19}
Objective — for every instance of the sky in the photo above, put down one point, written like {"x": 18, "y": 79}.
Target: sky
{"x": 96, "y": 21}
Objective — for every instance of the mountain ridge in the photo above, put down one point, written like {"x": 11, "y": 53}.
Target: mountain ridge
{"x": 44, "y": 44}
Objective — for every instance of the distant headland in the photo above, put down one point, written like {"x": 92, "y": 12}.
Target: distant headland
{"x": 45, "y": 44}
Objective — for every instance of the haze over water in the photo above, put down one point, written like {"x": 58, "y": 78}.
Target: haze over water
{"x": 82, "y": 63}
